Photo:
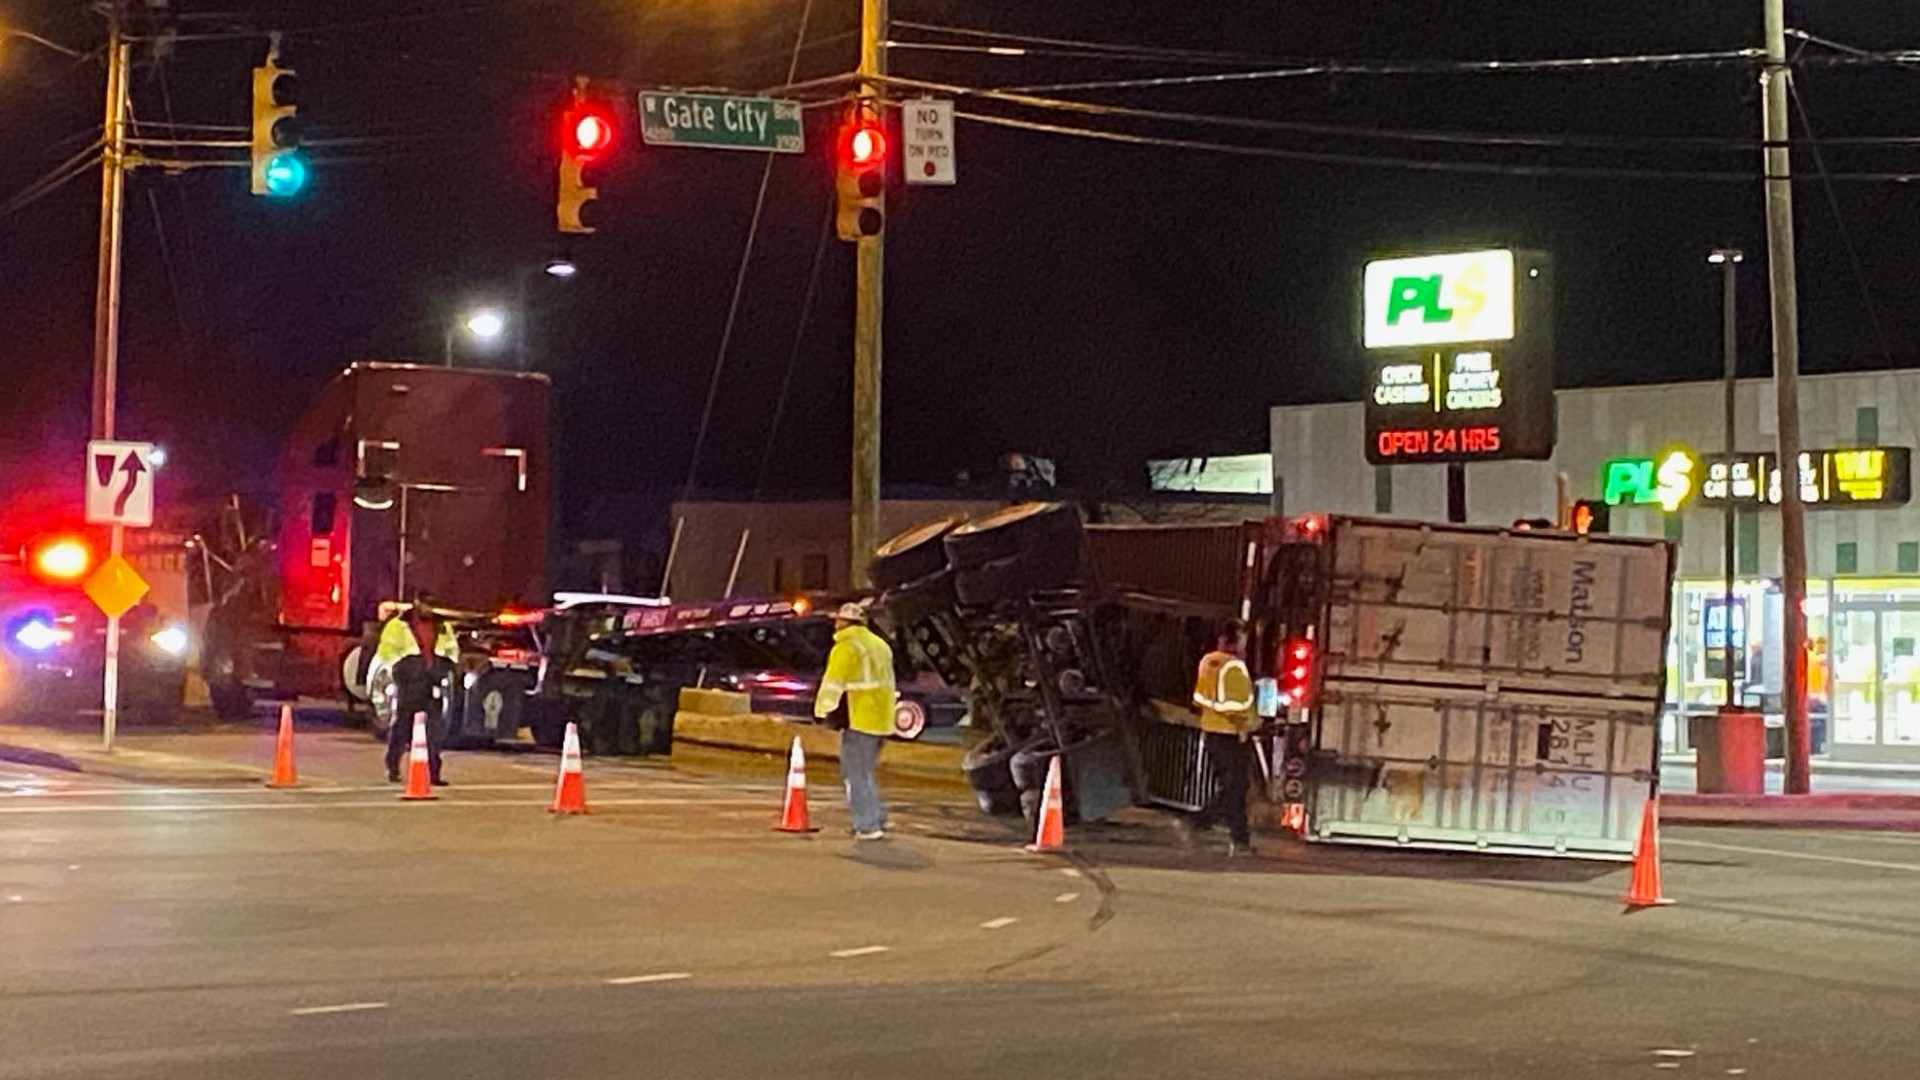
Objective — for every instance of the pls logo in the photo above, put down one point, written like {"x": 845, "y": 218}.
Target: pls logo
{"x": 1440, "y": 299}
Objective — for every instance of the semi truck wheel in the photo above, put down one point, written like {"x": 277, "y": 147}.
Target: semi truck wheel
{"x": 916, "y": 600}
{"x": 912, "y": 555}
{"x": 1016, "y": 530}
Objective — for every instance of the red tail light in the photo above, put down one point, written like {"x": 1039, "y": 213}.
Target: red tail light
{"x": 1296, "y": 672}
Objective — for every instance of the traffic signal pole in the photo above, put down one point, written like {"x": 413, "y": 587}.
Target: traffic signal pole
{"x": 1786, "y": 380}
{"x": 868, "y": 263}
{"x": 106, "y": 315}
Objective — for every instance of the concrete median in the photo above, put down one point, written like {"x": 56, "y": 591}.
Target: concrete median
{"x": 930, "y": 762}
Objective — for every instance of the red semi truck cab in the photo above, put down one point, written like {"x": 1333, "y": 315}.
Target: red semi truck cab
{"x": 397, "y": 478}
{"x": 403, "y": 477}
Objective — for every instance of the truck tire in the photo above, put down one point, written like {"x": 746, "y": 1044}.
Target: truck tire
{"x": 231, "y": 700}
{"x": 380, "y": 702}
{"x": 546, "y": 722}
{"x": 353, "y": 679}
{"x": 1016, "y": 530}
{"x": 912, "y": 555}
{"x": 916, "y": 600}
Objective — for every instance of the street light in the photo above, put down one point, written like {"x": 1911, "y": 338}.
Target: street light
{"x": 1727, "y": 259}
{"x": 482, "y": 324}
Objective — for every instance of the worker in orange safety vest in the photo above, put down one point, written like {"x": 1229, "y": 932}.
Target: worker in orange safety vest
{"x": 1223, "y": 691}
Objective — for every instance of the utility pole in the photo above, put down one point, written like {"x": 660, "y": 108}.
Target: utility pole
{"x": 1774, "y": 76}
{"x": 1728, "y": 259}
{"x": 106, "y": 303}
{"x": 869, "y": 254}
{"x": 106, "y": 315}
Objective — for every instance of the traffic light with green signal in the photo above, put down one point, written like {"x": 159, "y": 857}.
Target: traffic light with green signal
{"x": 277, "y": 168}
{"x": 860, "y": 173}
{"x": 586, "y": 134}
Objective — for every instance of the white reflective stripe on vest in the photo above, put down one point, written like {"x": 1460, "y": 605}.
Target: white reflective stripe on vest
{"x": 1220, "y": 688}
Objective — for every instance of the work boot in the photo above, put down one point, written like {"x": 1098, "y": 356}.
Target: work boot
{"x": 437, "y": 782}
{"x": 393, "y": 777}
{"x": 1239, "y": 849}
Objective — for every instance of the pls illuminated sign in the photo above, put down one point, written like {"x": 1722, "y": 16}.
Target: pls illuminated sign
{"x": 1440, "y": 300}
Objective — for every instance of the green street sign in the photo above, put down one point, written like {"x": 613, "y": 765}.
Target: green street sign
{"x": 720, "y": 122}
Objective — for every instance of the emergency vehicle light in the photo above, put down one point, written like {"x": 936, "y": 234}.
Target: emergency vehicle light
{"x": 65, "y": 559}
{"x": 41, "y": 635}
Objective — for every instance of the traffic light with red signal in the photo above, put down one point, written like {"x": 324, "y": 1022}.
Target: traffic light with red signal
{"x": 587, "y": 133}
{"x": 1590, "y": 516}
{"x": 860, "y": 172}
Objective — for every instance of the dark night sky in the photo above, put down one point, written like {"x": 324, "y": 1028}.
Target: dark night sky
{"x": 1093, "y": 302}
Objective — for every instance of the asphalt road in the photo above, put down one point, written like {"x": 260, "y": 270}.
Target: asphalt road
{"x": 228, "y": 931}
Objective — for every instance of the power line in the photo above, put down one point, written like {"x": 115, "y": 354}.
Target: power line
{"x": 1030, "y": 51}
{"x": 1344, "y": 68}
{"x": 1452, "y": 138}
{"x": 1846, "y": 235}
{"x": 1482, "y": 168}
{"x": 793, "y": 353}
{"x": 53, "y": 179}
{"x": 1118, "y": 50}
{"x": 740, "y": 277}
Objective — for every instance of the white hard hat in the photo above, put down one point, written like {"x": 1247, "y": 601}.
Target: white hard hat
{"x": 854, "y": 613}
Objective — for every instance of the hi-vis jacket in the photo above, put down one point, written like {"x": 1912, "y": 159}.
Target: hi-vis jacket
{"x": 1224, "y": 692}
{"x": 397, "y": 643}
{"x": 860, "y": 667}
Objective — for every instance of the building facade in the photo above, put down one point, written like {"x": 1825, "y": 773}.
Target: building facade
{"x": 1646, "y": 448}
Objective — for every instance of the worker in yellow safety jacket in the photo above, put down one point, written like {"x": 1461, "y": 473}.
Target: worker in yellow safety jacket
{"x": 860, "y": 673}
{"x": 1223, "y": 690}
{"x": 421, "y": 651}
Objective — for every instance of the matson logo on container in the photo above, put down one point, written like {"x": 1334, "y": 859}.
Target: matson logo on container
{"x": 1440, "y": 299}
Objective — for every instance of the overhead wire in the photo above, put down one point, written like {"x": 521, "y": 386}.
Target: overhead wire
{"x": 1408, "y": 164}
{"x": 1460, "y": 138}
{"x": 740, "y": 278}
{"x": 1118, "y": 49}
{"x": 53, "y": 179}
{"x": 1846, "y": 235}
{"x": 1344, "y": 68}
{"x": 793, "y": 353}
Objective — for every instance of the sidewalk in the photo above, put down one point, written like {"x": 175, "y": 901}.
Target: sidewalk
{"x": 137, "y": 755}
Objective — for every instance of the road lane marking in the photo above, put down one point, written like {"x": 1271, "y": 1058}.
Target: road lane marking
{"x": 1066, "y": 898}
{"x": 1673, "y": 1053}
{"x": 324, "y": 1010}
{"x": 864, "y": 950}
{"x": 1069, "y": 871}
{"x": 665, "y": 976}
{"x": 1871, "y": 864}
{"x": 358, "y": 804}
{"x": 996, "y": 924}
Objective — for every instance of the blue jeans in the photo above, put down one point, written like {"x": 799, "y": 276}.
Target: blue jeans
{"x": 859, "y": 753}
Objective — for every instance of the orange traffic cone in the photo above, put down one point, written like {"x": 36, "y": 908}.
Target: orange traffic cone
{"x": 283, "y": 773}
{"x": 419, "y": 783}
{"x": 1050, "y": 835}
{"x": 793, "y": 809}
{"x": 570, "y": 793}
{"x": 1643, "y": 888}
{"x": 1294, "y": 818}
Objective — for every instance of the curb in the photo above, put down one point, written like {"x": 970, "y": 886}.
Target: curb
{"x": 1839, "y": 800}
{"x": 128, "y": 765}
{"x": 1866, "y": 812}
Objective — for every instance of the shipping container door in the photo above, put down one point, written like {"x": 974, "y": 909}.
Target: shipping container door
{"x": 1460, "y": 769}
{"x": 1490, "y": 609}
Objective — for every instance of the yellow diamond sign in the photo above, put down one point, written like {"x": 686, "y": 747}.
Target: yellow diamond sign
{"x": 115, "y": 587}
